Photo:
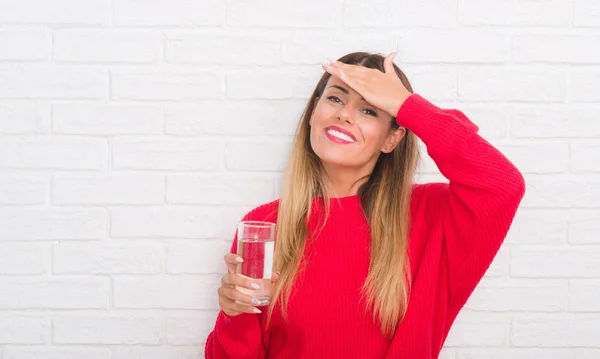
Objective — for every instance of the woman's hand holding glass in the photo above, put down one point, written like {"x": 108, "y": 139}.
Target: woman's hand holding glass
{"x": 232, "y": 301}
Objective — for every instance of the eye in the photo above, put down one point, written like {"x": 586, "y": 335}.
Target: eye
{"x": 370, "y": 112}
{"x": 334, "y": 99}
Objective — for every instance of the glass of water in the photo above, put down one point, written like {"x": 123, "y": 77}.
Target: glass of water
{"x": 256, "y": 246}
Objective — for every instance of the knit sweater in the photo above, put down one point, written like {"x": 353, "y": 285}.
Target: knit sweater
{"x": 456, "y": 230}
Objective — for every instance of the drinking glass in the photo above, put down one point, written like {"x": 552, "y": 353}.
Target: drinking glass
{"x": 256, "y": 246}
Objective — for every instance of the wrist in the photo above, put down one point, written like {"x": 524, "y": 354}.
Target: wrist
{"x": 398, "y": 102}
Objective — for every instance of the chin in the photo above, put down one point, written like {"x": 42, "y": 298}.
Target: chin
{"x": 335, "y": 154}
{"x": 335, "y": 158}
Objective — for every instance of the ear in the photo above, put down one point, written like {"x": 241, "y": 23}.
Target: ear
{"x": 393, "y": 140}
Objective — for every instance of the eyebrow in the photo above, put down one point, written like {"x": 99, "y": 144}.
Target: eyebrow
{"x": 344, "y": 90}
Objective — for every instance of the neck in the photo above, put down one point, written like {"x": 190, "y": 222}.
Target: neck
{"x": 343, "y": 181}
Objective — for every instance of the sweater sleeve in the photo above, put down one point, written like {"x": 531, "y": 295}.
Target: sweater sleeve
{"x": 235, "y": 337}
{"x": 482, "y": 197}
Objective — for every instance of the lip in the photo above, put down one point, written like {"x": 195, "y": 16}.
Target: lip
{"x": 339, "y": 129}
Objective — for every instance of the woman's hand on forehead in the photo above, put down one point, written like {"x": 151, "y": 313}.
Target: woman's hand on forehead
{"x": 382, "y": 90}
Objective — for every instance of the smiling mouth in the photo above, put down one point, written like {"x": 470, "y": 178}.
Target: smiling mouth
{"x": 338, "y": 136}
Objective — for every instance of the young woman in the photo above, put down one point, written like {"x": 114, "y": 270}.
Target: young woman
{"x": 369, "y": 264}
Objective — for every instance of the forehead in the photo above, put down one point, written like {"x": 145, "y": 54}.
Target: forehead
{"x": 334, "y": 81}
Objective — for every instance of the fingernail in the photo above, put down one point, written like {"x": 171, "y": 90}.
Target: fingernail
{"x": 256, "y": 310}
{"x": 255, "y": 301}
{"x": 254, "y": 286}
{"x": 239, "y": 259}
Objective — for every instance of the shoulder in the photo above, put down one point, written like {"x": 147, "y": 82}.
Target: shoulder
{"x": 429, "y": 191}
{"x": 428, "y": 197}
{"x": 266, "y": 212}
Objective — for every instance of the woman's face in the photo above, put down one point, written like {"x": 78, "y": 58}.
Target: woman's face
{"x": 347, "y": 131}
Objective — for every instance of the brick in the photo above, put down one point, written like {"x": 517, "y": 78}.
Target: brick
{"x": 515, "y": 12}
{"x": 547, "y": 157}
{"x": 54, "y": 293}
{"x": 20, "y": 258}
{"x": 108, "y": 188}
{"x": 20, "y": 224}
{"x": 555, "y": 49}
{"x": 518, "y": 85}
{"x": 492, "y": 120}
{"x": 28, "y": 117}
{"x": 186, "y": 154}
{"x": 555, "y": 262}
{"x": 108, "y": 258}
{"x": 25, "y": 44}
{"x": 222, "y": 49}
{"x": 230, "y": 217}
{"x": 556, "y": 330}
{"x": 562, "y": 191}
{"x": 53, "y": 153}
{"x": 298, "y": 48}
{"x": 479, "y": 329}
{"x": 585, "y": 86}
{"x": 246, "y": 118}
{"x": 434, "y": 83}
{"x": 172, "y": 292}
{"x": 18, "y": 188}
{"x": 190, "y": 329}
{"x": 556, "y": 121}
{"x": 447, "y": 353}
{"x": 165, "y": 222}
{"x": 585, "y": 157}
{"x": 23, "y": 329}
{"x": 197, "y": 257}
{"x": 107, "y": 46}
{"x": 500, "y": 266}
{"x": 586, "y": 13}
{"x": 53, "y": 82}
{"x": 309, "y": 13}
{"x": 257, "y": 156}
{"x": 216, "y": 189}
{"x": 290, "y": 116}
{"x": 169, "y": 12}
{"x": 56, "y": 353}
{"x": 179, "y": 352}
{"x": 107, "y": 119}
{"x": 272, "y": 83}
{"x": 583, "y": 295}
{"x": 503, "y": 295}
{"x": 584, "y": 226}
{"x": 586, "y": 353}
{"x": 453, "y": 46}
{"x": 426, "y": 164}
{"x": 176, "y": 84}
{"x": 538, "y": 226}
{"x": 520, "y": 353}
{"x": 68, "y": 12}
{"x": 106, "y": 329}
{"x": 382, "y": 13}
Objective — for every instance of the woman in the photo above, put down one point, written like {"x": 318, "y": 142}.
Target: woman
{"x": 369, "y": 264}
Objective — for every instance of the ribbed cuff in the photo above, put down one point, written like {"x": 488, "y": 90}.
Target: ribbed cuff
{"x": 236, "y": 326}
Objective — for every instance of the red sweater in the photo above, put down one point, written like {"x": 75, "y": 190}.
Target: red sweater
{"x": 456, "y": 231}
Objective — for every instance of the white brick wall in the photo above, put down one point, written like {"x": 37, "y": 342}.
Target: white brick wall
{"x": 134, "y": 134}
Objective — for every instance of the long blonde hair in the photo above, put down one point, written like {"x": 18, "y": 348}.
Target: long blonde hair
{"x": 385, "y": 200}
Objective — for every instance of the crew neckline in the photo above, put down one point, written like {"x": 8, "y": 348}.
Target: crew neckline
{"x": 344, "y": 199}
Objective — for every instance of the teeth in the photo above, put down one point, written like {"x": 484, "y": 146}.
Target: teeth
{"x": 340, "y": 135}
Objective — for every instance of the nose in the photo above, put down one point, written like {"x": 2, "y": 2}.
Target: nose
{"x": 345, "y": 114}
